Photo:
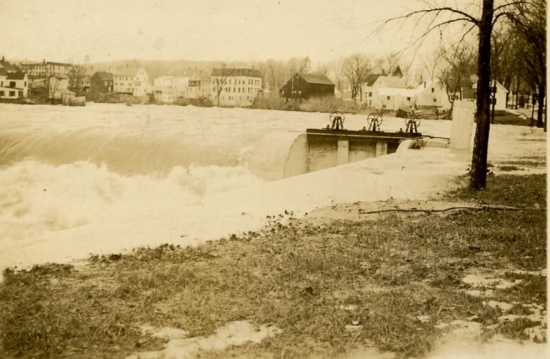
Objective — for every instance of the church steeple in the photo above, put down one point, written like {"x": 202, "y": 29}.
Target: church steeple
{"x": 397, "y": 72}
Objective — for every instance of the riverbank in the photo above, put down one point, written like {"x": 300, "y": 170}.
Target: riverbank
{"x": 391, "y": 279}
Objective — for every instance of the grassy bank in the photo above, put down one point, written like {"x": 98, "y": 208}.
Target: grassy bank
{"x": 326, "y": 104}
{"x": 390, "y": 280}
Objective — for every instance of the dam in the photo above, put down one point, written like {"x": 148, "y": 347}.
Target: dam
{"x": 319, "y": 149}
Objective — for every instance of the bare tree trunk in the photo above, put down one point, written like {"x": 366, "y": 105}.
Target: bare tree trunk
{"x": 517, "y": 92}
{"x": 540, "y": 111}
{"x": 545, "y": 114}
{"x": 478, "y": 173}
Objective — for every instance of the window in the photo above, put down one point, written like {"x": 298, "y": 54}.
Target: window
{"x": 388, "y": 97}
{"x": 370, "y": 94}
{"x": 2, "y": 93}
{"x": 408, "y": 98}
{"x": 12, "y": 83}
{"x": 433, "y": 90}
{"x": 435, "y": 100}
{"x": 12, "y": 93}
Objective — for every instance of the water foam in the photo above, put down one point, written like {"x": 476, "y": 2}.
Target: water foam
{"x": 38, "y": 198}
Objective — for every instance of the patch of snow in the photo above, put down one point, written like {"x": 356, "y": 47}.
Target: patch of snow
{"x": 454, "y": 348}
{"x": 476, "y": 280}
{"x": 501, "y": 305}
{"x": 233, "y": 334}
{"x": 538, "y": 314}
{"x": 353, "y": 328}
{"x": 533, "y": 273}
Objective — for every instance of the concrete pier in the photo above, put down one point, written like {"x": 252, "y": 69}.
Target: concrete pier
{"x": 322, "y": 149}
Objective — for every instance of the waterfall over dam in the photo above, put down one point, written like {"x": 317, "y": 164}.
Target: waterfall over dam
{"x": 115, "y": 173}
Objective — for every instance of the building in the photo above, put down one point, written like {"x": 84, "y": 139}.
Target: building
{"x": 135, "y": 84}
{"x": 46, "y": 69}
{"x": 101, "y": 82}
{"x": 434, "y": 93}
{"x": 168, "y": 89}
{"x": 235, "y": 86}
{"x": 8, "y": 66}
{"x": 389, "y": 92}
{"x": 199, "y": 86}
{"x": 369, "y": 90}
{"x": 58, "y": 90}
{"x": 85, "y": 83}
{"x": 501, "y": 94}
{"x": 13, "y": 85}
{"x": 306, "y": 85}
{"x": 395, "y": 92}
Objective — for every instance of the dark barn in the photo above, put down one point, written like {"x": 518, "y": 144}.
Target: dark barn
{"x": 304, "y": 86}
{"x": 102, "y": 82}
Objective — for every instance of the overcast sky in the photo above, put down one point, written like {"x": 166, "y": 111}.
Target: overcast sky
{"x": 225, "y": 30}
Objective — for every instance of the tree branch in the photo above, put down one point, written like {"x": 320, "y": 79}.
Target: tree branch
{"x": 510, "y": 4}
{"x": 437, "y": 12}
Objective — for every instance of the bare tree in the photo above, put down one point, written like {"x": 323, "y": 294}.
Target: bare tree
{"x": 431, "y": 66}
{"x": 460, "y": 65}
{"x": 53, "y": 84}
{"x": 391, "y": 62}
{"x": 356, "y": 69}
{"x": 336, "y": 73}
{"x": 529, "y": 21}
{"x": 219, "y": 80}
{"x": 76, "y": 76}
{"x": 441, "y": 17}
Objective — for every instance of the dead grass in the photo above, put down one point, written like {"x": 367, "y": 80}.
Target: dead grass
{"x": 391, "y": 278}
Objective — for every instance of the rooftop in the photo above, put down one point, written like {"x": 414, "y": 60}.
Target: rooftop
{"x": 16, "y": 76}
{"x": 8, "y": 66}
{"x": 316, "y": 79}
{"x": 249, "y": 72}
{"x": 104, "y": 76}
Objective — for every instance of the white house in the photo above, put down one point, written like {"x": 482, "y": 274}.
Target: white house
{"x": 167, "y": 89}
{"x": 389, "y": 92}
{"x": 235, "y": 86}
{"x": 501, "y": 94}
{"x": 433, "y": 93}
{"x": 13, "y": 85}
{"x": 199, "y": 86}
{"x": 394, "y": 92}
{"x": 136, "y": 84}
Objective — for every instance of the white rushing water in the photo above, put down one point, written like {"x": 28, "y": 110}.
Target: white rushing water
{"x": 108, "y": 178}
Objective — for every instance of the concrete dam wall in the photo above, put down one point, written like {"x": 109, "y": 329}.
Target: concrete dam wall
{"x": 321, "y": 149}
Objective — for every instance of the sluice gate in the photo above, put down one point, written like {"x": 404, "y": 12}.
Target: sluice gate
{"x": 319, "y": 149}
{"x": 325, "y": 148}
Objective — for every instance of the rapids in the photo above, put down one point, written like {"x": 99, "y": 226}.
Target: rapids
{"x": 99, "y": 172}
